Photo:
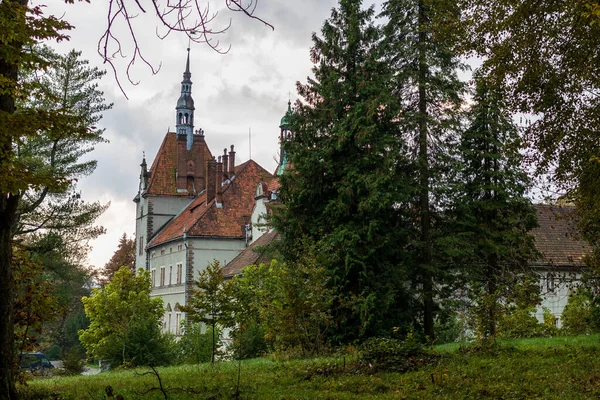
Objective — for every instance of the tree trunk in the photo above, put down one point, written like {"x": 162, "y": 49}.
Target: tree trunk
{"x": 8, "y": 207}
{"x": 426, "y": 275}
{"x": 212, "y": 356}
{"x": 8, "y": 214}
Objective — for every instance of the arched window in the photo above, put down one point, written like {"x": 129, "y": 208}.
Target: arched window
{"x": 180, "y": 118}
{"x": 186, "y": 118}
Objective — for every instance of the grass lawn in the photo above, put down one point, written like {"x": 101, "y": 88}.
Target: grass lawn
{"x": 554, "y": 368}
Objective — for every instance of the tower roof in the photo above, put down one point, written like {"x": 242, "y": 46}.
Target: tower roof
{"x": 285, "y": 120}
{"x": 162, "y": 180}
{"x": 185, "y": 100}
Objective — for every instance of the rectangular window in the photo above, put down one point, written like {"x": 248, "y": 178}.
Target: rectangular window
{"x": 550, "y": 283}
{"x": 141, "y": 250}
{"x": 178, "y": 323}
{"x": 179, "y": 273}
{"x": 170, "y": 274}
{"x": 153, "y": 277}
{"x": 162, "y": 276}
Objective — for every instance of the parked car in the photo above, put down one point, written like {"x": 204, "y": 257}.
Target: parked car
{"x": 36, "y": 363}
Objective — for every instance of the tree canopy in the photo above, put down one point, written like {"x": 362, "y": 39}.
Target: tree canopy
{"x": 123, "y": 256}
{"x": 349, "y": 186}
{"x": 124, "y": 320}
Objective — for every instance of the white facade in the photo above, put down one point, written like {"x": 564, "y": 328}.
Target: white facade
{"x": 556, "y": 287}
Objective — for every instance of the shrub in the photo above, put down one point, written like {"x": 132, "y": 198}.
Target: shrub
{"x": 577, "y": 314}
{"x": 393, "y": 354}
{"x": 519, "y": 322}
{"x": 195, "y": 347}
{"x": 73, "y": 362}
{"x": 53, "y": 353}
{"x": 249, "y": 342}
{"x": 549, "y": 327}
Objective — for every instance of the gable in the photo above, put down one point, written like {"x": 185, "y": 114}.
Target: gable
{"x": 162, "y": 174}
{"x": 228, "y": 220}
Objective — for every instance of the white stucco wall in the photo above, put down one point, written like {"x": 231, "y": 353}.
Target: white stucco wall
{"x": 170, "y": 255}
{"x": 163, "y": 209}
{"x": 556, "y": 286}
{"x": 258, "y": 217}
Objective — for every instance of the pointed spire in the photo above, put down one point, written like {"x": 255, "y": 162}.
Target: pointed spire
{"x": 187, "y": 75}
{"x": 184, "y": 122}
{"x": 143, "y": 174}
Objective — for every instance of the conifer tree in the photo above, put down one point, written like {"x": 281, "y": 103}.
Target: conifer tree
{"x": 347, "y": 190}
{"x": 421, "y": 50}
{"x": 493, "y": 216}
{"x": 123, "y": 256}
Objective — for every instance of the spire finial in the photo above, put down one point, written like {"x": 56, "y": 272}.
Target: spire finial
{"x": 187, "y": 64}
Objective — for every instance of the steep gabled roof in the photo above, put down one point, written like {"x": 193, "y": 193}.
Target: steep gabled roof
{"x": 200, "y": 219}
{"x": 251, "y": 256}
{"x": 162, "y": 173}
{"x": 557, "y": 237}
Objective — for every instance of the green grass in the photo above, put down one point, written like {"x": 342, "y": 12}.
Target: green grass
{"x": 557, "y": 368}
{"x": 533, "y": 343}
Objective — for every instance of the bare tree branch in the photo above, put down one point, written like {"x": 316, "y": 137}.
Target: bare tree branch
{"x": 192, "y": 18}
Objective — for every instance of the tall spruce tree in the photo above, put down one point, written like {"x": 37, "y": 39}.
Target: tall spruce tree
{"x": 348, "y": 188}
{"x": 493, "y": 216}
{"x": 421, "y": 50}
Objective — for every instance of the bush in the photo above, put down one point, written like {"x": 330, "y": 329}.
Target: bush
{"x": 195, "y": 347}
{"x": 73, "y": 362}
{"x": 450, "y": 326}
{"x": 393, "y": 354}
{"x": 249, "y": 342}
{"x": 577, "y": 314}
{"x": 53, "y": 353}
{"x": 549, "y": 328}
{"x": 519, "y": 322}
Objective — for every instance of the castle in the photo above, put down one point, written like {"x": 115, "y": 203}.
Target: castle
{"x": 193, "y": 208}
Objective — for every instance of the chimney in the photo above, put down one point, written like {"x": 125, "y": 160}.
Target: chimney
{"x": 225, "y": 163}
{"x": 232, "y": 162}
{"x": 219, "y": 182}
{"x": 210, "y": 180}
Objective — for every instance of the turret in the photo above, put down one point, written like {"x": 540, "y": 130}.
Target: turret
{"x": 143, "y": 175}
{"x": 184, "y": 122}
{"x": 190, "y": 146}
{"x": 284, "y": 126}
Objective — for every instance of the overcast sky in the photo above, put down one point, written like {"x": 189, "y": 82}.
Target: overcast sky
{"x": 247, "y": 88}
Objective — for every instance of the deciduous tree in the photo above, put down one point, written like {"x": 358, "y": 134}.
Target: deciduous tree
{"x": 545, "y": 53}
{"x": 24, "y": 26}
{"x": 210, "y": 302}
{"x": 122, "y": 317}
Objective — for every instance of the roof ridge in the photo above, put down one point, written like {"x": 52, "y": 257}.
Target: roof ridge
{"x": 243, "y": 166}
{"x": 165, "y": 225}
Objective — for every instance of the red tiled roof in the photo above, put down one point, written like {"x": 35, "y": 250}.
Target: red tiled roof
{"x": 162, "y": 173}
{"x": 207, "y": 220}
{"x": 557, "y": 237}
{"x": 273, "y": 185}
{"x": 251, "y": 256}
